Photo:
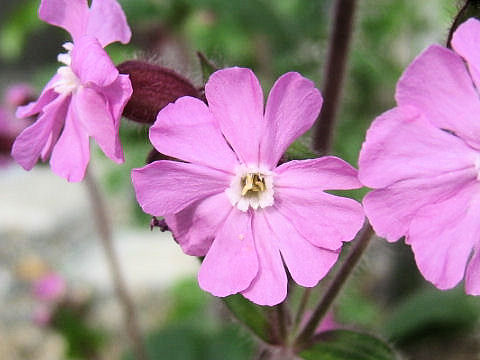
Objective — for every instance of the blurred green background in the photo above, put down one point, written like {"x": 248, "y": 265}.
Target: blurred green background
{"x": 386, "y": 295}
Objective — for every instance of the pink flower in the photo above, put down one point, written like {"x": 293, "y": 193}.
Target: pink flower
{"x": 19, "y": 94}
{"x": 42, "y": 315}
{"x": 231, "y": 203}
{"x": 10, "y": 127}
{"x": 50, "y": 287}
{"x": 423, "y": 159}
{"x": 328, "y": 323}
{"x": 86, "y": 96}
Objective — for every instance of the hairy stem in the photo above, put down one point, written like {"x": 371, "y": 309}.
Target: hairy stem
{"x": 334, "y": 74}
{"x": 105, "y": 232}
{"x": 283, "y": 321}
{"x": 302, "y": 307}
{"x": 333, "y": 289}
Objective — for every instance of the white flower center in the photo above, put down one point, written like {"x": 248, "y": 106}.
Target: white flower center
{"x": 68, "y": 81}
{"x": 251, "y": 187}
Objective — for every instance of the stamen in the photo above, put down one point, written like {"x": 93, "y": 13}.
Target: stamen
{"x": 68, "y": 81}
{"x": 253, "y": 182}
{"x": 252, "y": 187}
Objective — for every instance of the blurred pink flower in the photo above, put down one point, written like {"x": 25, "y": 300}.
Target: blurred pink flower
{"x": 86, "y": 96}
{"x": 19, "y": 94}
{"x": 7, "y": 136}
{"x": 231, "y": 203}
{"x": 42, "y": 314}
{"x": 10, "y": 127}
{"x": 328, "y": 323}
{"x": 423, "y": 159}
{"x": 50, "y": 287}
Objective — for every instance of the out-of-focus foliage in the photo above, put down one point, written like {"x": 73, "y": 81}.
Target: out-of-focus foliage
{"x": 429, "y": 311}
{"x": 193, "y": 331}
{"x": 348, "y": 345}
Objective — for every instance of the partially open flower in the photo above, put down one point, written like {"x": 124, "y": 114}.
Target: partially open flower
{"x": 228, "y": 200}
{"x": 85, "y": 98}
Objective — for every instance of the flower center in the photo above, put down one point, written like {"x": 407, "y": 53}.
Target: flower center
{"x": 68, "y": 81}
{"x": 251, "y": 187}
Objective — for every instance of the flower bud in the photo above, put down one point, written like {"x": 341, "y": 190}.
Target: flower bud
{"x": 154, "y": 87}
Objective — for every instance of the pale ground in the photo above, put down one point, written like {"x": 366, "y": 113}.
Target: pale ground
{"x": 44, "y": 219}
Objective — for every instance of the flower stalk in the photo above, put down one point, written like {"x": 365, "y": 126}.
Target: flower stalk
{"x": 301, "y": 308}
{"x": 306, "y": 334}
{"x": 334, "y": 74}
{"x": 105, "y": 232}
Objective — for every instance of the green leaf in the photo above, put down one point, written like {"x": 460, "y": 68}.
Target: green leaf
{"x": 252, "y": 316}
{"x": 348, "y": 345}
{"x": 299, "y": 151}
{"x": 184, "y": 342}
{"x": 19, "y": 25}
{"x": 445, "y": 312}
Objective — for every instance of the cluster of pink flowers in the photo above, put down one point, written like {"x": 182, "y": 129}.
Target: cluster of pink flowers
{"x": 230, "y": 201}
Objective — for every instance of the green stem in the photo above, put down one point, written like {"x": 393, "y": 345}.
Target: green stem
{"x": 302, "y": 307}
{"x": 283, "y": 319}
{"x": 306, "y": 335}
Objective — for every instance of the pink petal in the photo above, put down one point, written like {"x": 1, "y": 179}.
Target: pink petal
{"x": 292, "y": 107}
{"x": 235, "y": 99}
{"x": 472, "y": 276}
{"x": 442, "y": 236}
{"x": 270, "y": 284}
{"x": 195, "y": 226}
{"x": 439, "y": 85}
{"x": 465, "y": 42}
{"x": 118, "y": 93}
{"x": 402, "y": 144}
{"x": 29, "y": 144}
{"x": 71, "y": 154}
{"x": 167, "y": 187}
{"x": 324, "y": 220}
{"x": 391, "y": 210}
{"x": 53, "y": 137}
{"x": 91, "y": 63}
{"x": 231, "y": 263}
{"x": 107, "y": 22}
{"x": 46, "y": 97}
{"x": 307, "y": 264}
{"x": 93, "y": 112}
{"x": 72, "y": 15}
{"x": 325, "y": 173}
{"x": 184, "y": 127}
